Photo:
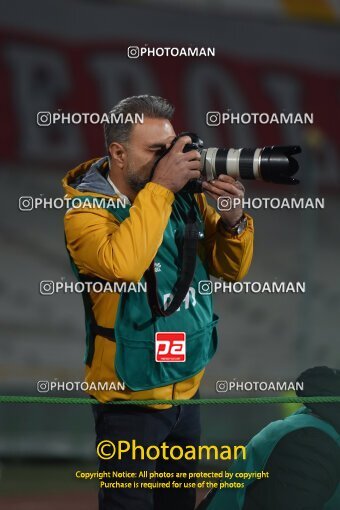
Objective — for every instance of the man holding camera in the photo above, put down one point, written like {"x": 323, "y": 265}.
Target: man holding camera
{"x": 171, "y": 240}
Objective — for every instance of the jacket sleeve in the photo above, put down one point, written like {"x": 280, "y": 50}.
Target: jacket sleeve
{"x": 304, "y": 471}
{"x": 101, "y": 246}
{"x": 226, "y": 256}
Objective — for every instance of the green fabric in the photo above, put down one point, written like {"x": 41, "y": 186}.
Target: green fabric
{"x": 135, "y": 327}
{"x": 259, "y": 450}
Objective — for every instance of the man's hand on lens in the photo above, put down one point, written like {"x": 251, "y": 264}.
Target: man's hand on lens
{"x": 226, "y": 186}
{"x": 176, "y": 168}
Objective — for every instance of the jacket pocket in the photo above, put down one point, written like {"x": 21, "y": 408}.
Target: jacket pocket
{"x": 135, "y": 362}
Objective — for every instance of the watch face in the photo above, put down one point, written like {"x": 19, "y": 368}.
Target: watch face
{"x": 242, "y": 226}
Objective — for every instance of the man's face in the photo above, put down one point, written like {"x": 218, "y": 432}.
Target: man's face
{"x": 146, "y": 142}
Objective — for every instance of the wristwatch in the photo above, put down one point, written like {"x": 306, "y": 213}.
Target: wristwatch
{"x": 239, "y": 227}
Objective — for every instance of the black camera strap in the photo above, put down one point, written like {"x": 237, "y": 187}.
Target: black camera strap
{"x": 190, "y": 241}
{"x": 95, "y": 329}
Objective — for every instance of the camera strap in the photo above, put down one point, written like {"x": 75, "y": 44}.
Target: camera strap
{"x": 190, "y": 241}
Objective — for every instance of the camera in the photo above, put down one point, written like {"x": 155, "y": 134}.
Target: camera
{"x": 274, "y": 163}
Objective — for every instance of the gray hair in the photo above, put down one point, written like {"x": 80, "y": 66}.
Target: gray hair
{"x": 154, "y": 107}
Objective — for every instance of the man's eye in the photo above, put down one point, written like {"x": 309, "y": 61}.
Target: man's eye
{"x": 158, "y": 152}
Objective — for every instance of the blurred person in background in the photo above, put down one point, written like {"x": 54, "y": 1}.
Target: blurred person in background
{"x": 144, "y": 241}
{"x": 301, "y": 454}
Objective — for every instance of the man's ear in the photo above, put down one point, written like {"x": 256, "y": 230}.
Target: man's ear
{"x": 118, "y": 154}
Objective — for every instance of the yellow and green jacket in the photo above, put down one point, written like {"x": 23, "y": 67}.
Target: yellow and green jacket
{"x": 101, "y": 246}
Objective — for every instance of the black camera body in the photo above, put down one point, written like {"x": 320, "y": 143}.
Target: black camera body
{"x": 274, "y": 163}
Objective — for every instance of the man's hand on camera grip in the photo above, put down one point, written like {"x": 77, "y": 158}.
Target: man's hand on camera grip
{"x": 226, "y": 186}
{"x": 176, "y": 168}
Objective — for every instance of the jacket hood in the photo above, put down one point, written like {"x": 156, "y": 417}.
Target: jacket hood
{"x": 89, "y": 177}
{"x": 322, "y": 381}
